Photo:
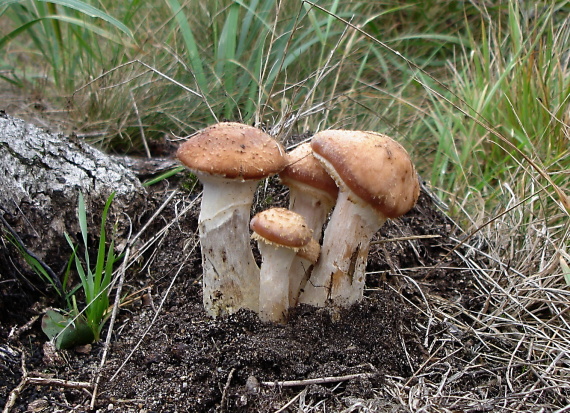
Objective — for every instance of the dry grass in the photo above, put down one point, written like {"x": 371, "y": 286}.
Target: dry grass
{"x": 512, "y": 353}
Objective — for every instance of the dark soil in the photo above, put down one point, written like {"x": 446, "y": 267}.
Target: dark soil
{"x": 167, "y": 355}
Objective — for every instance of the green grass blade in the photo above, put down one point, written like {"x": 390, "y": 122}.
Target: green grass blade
{"x": 163, "y": 176}
{"x": 82, "y": 218}
{"x": 109, "y": 263}
{"x": 246, "y": 23}
{"x": 256, "y": 79}
{"x": 100, "y": 265}
{"x": 225, "y": 67}
{"x": 131, "y": 11}
{"x": 331, "y": 19}
{"x": 91, "y": 28}
{"x": 66, "y": 19}
{"x": 36, "y": 266}
{"x": 14, "y": 33}
{"x": 87, "y": 286}
{"x": 83, "y": 8}
{"x": 103, "y": 301}
{"x": 227, "y": 44}
{"x": 103, "y": 273}
{"x": 190, "y": 43}
{"x": 254, "y": 25}
{"x": 85, "y": 274}
{"x": 316, "y": 26}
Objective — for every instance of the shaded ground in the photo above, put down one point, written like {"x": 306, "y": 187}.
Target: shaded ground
{"x": 167, "y": 355}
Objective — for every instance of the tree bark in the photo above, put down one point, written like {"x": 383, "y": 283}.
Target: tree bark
{"x": 41, "y": 176}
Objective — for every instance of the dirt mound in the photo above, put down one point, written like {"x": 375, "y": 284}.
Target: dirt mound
{"x": 168, "y": 355}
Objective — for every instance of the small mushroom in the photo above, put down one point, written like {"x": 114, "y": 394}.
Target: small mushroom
{"x": 312, "y": 194}
{"x": 280, "y": 234}
{"x": 229, "y": 159}
{"x": 377, "y": 180}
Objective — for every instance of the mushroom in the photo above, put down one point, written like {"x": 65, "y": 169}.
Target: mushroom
{"x": 377, "y": 180}
{"x": 280, "y": 234}
{"x": 312, "y": 193}
{"x": 229, "y": 159}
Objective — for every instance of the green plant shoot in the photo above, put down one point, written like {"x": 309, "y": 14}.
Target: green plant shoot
{"x": 74, "y": 327}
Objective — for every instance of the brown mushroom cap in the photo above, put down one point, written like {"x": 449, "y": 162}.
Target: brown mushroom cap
{"x": 303, "y": 169}
{"x": 279, "y": 226}
{"x": 373, "y": 166}
{"x": 234, "y": 151}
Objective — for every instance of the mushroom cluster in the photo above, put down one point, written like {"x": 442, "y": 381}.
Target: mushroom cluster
{"x": 363, "y": 177}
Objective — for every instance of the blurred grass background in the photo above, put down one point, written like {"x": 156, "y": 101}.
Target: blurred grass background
{"x": 477, "y": 91}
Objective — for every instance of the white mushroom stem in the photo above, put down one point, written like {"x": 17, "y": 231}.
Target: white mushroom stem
{"x": 339, "y": 275}
{"x": 314, "y": 206}
{"x": 299, "y": 274}
{"x": 230, "y": 274}
{"x": 311, "y": 204}
{"x": 274, "y": 281}
{"x": 301, "y": 269}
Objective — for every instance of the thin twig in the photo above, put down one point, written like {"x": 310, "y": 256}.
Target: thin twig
{"x": 117, "y": 302}
{"x": 42, "y": 381}
{"x": 14, "y": 393}
{"x": 16, "y": 332}
{"x": 141, "y": 128}
{"x": 39, "y": 381}
{"x": 135, "y": 348}
{"x": 107, "y": 345}
{"x": 410, "y": 238}
{"x": 290, "y": 402}
{"x": 223, "y": 403}
{"x": 320, "y": 380}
